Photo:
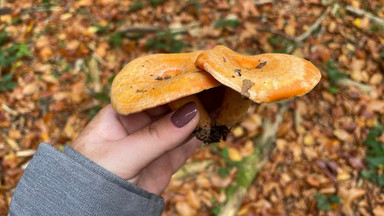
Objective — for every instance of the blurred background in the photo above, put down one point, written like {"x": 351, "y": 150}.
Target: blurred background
{"x": 320, "y": 154}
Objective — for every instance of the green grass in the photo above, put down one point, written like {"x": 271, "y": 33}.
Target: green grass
{"x": 334, "y": 75}
{"x": 11, "y": 55}
{"x": 325, "y": 202}
{"x": 165, "y": 42}
{"x": 281, "y": 45}
{"x": 116, "y": 39}
{"x": 137, "y": 5}
{"x": 229, "y": 23}
{"x": 375, "y": 156}
{"x": 156, "y": 2}
{"x": 6, "y": 83}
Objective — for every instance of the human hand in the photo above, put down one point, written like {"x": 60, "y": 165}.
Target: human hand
{"x": 144, "y": 148}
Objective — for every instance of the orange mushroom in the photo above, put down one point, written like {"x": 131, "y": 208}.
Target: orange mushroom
{"x": 154, "y": 80}
{"x": 261, "y": 78}
{"x": 173, "y": 79}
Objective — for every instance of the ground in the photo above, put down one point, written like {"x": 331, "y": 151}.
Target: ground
{"x": 58, "y": 59}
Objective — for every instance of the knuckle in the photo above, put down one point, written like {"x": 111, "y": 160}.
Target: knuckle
{"x": 154, "y": 132}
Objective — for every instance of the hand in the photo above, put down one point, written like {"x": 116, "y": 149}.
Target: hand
{"x": 144, "y": 148}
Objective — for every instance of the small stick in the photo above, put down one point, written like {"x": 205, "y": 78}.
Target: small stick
{"x": 313, "y": 27}
{"x": 142, "y": 29}
{"x": 254, "y": 163}
{"x": 348, "y": 82}
{"x": 263, "y": 2}
{"x": 276, "y": 32}
{"x": 303, "y": 36}
{"x": 363, "y": 13}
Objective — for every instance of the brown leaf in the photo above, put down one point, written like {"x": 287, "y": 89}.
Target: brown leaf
{"x": 329, "y": 168}
{"x": 348, "y": 196}
{"x": 193, "y": 200}
{"x": 14, "y": 134}
{"x": 376, "y": 106}
{"x": 379, "y": 211}
{"x": 219, "y": 182}
{"x": 311, "y": 181}
{"x": 234, "y": 154}
{"x": 342, "y": 135}
{"x": 29, "y": 89}
{"x": 183, "y": 209}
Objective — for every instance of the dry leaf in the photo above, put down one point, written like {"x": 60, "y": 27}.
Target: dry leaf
{"x": 348, "y": 196}
{"x": 234, "y": 154}
{"x": 379, "y": 211}
{"x": 183, "y": 209}
{"x": 193, "y": 200}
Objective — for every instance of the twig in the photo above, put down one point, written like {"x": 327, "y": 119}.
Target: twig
{"x": 142, "y": 29}
{"x": 303, "y": 36}
{"x": 12, "y": 143}
{"x": 95, "y": 73}
{"x": 8, "y": 109}
{"x": 34, "y": 9}
{"x": 192, "y": 168}
{"x": 254, "y": 163}
{"x": 363, "y": 13}
{"x": 348, "y": 82}
{"x": 313, "y": 27}
{"x": 263, "y": 2}
{"x": 5, "y": 10}
{"x": 185, "y": 29}
{"x": 25, "y": 153}
{"x": 298, "y": 119}
{"x": 276, "y": 32}
{"x": 146, "y": 29}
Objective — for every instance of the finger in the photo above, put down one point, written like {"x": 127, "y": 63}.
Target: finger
{"x": 162, "y": 169}
{"x": 105, "y": 124}
{"x": 161, "y": 136}
{"x": 137, "y": 121}
{"x": 158, "y": 111}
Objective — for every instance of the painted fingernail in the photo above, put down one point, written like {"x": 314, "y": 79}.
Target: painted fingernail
{"x": 184, "y": 115}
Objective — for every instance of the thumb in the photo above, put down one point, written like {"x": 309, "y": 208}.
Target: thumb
{"x": 161, "y": 136}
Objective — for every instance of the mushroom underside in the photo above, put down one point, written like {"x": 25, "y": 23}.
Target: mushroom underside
{"x": 220, "y": 108}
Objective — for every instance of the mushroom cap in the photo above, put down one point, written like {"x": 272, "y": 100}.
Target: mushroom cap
{"x": 262, "y": 78}
{"x": 154, "y": 80}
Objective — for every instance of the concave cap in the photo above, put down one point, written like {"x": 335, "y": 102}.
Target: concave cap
{"x": 261, "y": 78}
{"x": 158, "y": 79}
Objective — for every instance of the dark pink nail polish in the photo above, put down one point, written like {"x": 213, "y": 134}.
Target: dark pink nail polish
{"x": 184, "y": 115}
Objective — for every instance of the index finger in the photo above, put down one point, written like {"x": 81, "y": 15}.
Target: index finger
{"x": 137, "y": 121}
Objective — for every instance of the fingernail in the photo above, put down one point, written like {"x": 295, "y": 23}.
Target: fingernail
{"x": 184, "y": 115}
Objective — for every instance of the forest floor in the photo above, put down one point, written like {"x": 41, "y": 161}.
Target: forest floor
{"x": 58, "y": 59}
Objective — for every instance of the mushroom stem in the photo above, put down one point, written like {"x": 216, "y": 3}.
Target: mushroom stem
{"x": 233, "y": 108}
{"x": 202, "y": 131}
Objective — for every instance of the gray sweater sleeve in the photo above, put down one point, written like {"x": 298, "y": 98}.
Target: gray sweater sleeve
{"x": 67, "y": 183}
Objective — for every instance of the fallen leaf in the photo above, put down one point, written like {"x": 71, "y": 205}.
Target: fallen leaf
{"x": 348, "y": 196}
{"x": 309, "y": 140}
{"x": 14, "y": 134}
{"x": 379, "y": 211}
{"x": 234, "y": 154}
{"x": 342, "y": 135}
{"x": 193, "y": 200}
{"x": 183, "y": 209}
{"x": 29, "y": 89}
{"x": 238, "y": 131}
